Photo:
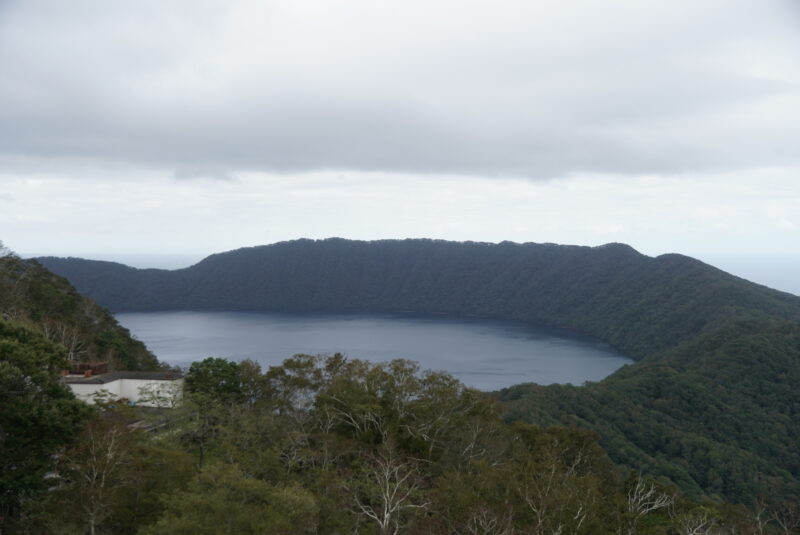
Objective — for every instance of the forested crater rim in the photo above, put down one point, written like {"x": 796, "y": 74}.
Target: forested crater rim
{"x": 638, "y": 304}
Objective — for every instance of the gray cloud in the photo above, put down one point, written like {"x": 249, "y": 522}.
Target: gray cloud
{"x": 536, "y": 89}
{"x": 200, "y": 173}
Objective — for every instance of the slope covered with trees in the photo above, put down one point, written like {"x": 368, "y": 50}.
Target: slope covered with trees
{"x": 36, "y": 298}
{"x": 713, "y": 402}
{"x": 45, "y": 327}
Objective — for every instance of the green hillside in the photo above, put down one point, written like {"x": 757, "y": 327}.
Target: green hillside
{"x": 45, "y": 326}
{"x": 34, "y": 297}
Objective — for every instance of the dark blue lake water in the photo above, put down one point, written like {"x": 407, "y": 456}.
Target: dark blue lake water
{"x": 482, "y": 353}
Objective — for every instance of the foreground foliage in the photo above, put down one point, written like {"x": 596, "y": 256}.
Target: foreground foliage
{"x": 333, "y": 446}
{"x": 38, "y": 416}
{"x": 45, "y": 326}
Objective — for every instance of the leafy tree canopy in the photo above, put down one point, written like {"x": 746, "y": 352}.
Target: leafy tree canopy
{"x": 38, "y": 415}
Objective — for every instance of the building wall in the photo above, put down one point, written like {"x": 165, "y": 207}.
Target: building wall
{"x": 86, "y": 392}
{"x": 169, "y": 392}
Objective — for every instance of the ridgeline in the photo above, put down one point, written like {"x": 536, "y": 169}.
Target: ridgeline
{"x": 712, "y": 402}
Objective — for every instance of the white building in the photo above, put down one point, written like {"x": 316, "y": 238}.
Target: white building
{"x": 151, "y": 389}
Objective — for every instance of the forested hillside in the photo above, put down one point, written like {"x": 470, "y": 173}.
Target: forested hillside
{"x": 33, "y": 297}
{"x": 718, "y": 415}
{"x": 713, "y": 403}
{"x": 45, "y": 326}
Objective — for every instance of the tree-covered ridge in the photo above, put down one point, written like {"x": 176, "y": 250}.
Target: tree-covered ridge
{"x": 712, "y": 402}
{"x": 31, "y": 295}
{"x": 639, "y": 304}
{"x": 720, "y": 419}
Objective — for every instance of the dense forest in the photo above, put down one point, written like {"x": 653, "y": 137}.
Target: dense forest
{"x": 45, "y": 327}
{"x": 334, "y": 446}
{"x": 712, "y": 404}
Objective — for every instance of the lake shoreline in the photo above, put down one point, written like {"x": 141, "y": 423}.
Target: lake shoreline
{"x": 485, "y": 353}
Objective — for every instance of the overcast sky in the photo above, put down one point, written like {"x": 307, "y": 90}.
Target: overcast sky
{"x": 189, "y": 127}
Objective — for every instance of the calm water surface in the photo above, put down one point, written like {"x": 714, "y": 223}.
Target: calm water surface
{"x": 483, "y": 353}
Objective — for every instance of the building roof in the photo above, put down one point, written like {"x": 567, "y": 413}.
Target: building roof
{"x": 113, "y": 376}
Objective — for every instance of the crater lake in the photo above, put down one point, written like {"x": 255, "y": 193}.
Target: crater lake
{"x": 483, "y": 353}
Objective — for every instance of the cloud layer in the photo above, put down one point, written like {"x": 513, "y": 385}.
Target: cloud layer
{"x": 533, "y": 89}
{"x": 713, "y": 216}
